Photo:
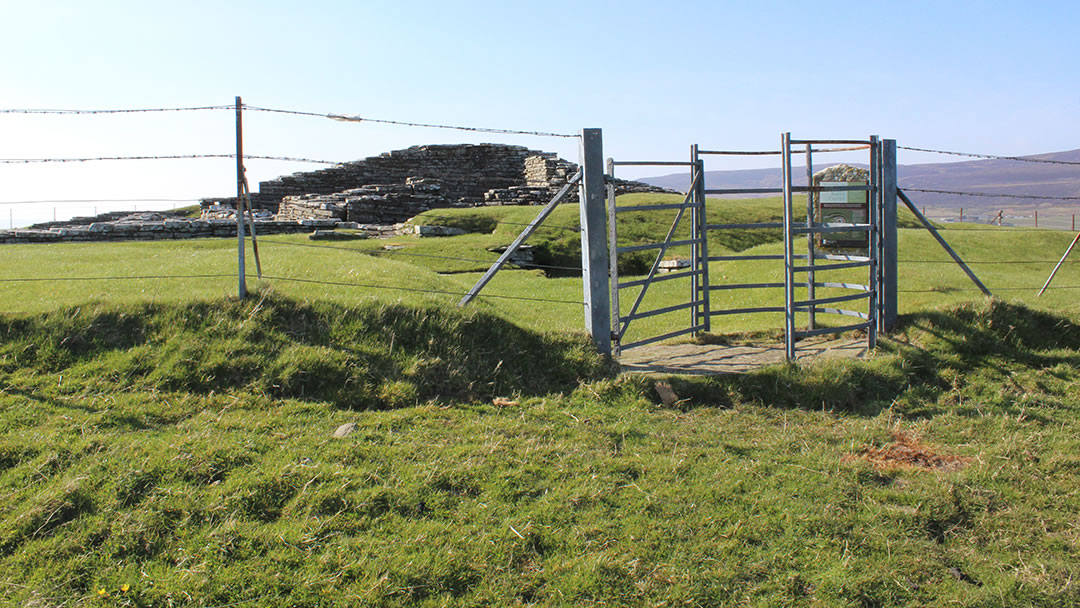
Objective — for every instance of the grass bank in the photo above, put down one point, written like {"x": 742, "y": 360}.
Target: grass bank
{"x": 177, "y": 455}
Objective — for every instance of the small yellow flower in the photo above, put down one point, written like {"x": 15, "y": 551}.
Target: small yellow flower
{"x": 125, "y": 587}
{"x": 102, "y": 592}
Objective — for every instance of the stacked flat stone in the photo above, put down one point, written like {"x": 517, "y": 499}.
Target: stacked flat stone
{"x": 395, "y": 186}
{"x": 544, "y": 169}
{"x": 464, "y": 172}
{"x": 164, "y": 226}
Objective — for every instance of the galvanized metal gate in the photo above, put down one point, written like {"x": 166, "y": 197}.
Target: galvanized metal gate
{"x": 694, "y": 202}
{"x": 804, "y": 273}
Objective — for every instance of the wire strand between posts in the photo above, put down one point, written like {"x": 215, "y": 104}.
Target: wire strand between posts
{"x": 1022, "y": 159}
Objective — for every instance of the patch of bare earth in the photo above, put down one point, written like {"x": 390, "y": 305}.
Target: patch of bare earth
{"x": 906, "y": 451}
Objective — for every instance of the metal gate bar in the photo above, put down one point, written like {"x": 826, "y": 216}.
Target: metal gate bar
{"x": 812, "y": 262}
{"x": 813, "y": 304}
{"x": 620, "y": 322}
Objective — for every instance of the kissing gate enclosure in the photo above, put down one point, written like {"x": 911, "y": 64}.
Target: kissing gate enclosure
{"x": 849, "y": 227}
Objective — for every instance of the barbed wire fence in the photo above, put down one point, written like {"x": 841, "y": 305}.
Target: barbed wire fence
{"x": 243, "y": 194}
{"x": 1006, "y": 224}
{"x": 1039, "y": 223}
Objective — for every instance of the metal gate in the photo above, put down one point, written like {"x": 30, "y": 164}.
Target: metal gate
{"x": 804, "y": 273}
{"x": 696, "y": 275}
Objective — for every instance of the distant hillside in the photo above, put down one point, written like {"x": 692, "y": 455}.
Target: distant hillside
{"x": 990, "y": 176}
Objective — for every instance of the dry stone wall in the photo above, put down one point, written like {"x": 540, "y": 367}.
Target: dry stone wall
{"x": 154, "y": 227}
{"x": 150, "y": 226}
{"x": 398, "y": 185}
{"x": 376, "y": 195}
{"x": 464, "y": 172}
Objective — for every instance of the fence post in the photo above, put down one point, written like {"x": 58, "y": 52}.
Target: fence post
{"x": 888, "y": 258}
{"x": 789, "y": 255}
{"x": 613, "y": 260}
{"x": 703, "y": 258}
{"x": 594, "y": 246}
{"x": 242, "y": 288}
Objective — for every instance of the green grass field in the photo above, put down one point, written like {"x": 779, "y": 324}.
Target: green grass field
{"x": 162, "y": 444}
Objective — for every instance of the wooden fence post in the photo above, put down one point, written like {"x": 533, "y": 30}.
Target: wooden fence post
{"x": 594, "y": 246}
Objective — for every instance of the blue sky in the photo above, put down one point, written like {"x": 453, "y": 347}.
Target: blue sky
{"x": 988, "y": 77}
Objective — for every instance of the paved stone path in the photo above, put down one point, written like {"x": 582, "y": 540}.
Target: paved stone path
{"x": 707, "y": 359}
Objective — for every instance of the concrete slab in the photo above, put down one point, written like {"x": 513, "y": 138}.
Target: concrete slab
{"x": 709, "y": 359}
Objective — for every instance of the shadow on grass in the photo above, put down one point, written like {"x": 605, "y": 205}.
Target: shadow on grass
{"x": 919, "y": 362}
{"x": 374, "y": 356}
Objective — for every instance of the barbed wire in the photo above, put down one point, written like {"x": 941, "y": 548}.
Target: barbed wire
{"x": 431, "y": 291}
{"x": 294, "y": 159}
{"x": 508, "y": 223}
{"x": 120, "y": 111}
{"x": 277, "y": 278}
{"x": 1022, "y": 159}
{"x": 993, "y": 195}
{"x": 100, "y": 158}
{"x": 987, "y": 262}
{"x": 167, "y": 157}
{"x": 418, "y": 290}
{"x": 345, "y": 118}
{"x": 948, "y": 289}
{"x": 1007, "y": 229}
{"x": 412, "y": 254}
{"x": 104, "y": 200}
{"x": 116, "y": 278}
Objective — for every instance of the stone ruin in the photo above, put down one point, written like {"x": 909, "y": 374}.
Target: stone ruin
{"x": 395, "y": 186}
{"x": 375, "y": 195}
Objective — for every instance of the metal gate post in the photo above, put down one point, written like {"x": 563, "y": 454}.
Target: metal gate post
{"x": 703, "y": 316}
{"x": 241, "y": 272}
{"x": 789, "y": 258}
{"x": 613, "y": 260}
{"x": 594, "y": 246}
{"x": 888, "y": 259}
{"x": 811, "y": 289}
{"x": 873, "y": 310}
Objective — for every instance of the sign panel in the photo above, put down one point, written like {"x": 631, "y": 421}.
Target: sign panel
{"x": 844, "y": 207}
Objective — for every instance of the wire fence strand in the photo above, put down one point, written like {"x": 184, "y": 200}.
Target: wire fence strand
{"x": 115, "y": 111}
{"x": 431, "y": 291}
{"x": 102, "y": 200}
{"x": 295, "y": 159}
{"x": 988, "y": 261}
{"x": 402, "y": 123}
{"x": 948, "y": 289}
{"x": 412, "y": 254}
{"x": 24, "y": 161}
{"x": 508, "y": 223}
{"x": 117, "y": 278}
{"x": 992, "y": 195}
{"x": 1022, "y": 159}
{"x": 418, "y": 290}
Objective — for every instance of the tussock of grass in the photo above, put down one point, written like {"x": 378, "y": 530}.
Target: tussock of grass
{"x": 171, "y": 447}
{"x": 369, "y": 357}
{"x": 167, "y": 460}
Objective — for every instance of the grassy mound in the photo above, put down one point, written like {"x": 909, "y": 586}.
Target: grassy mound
{"x": 182, "y": 455}
{"x": 173, "y": 448}
{"x": 377, "y": 356}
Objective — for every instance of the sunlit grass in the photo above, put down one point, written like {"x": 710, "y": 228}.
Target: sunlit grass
{"x": 164, "y": 444}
